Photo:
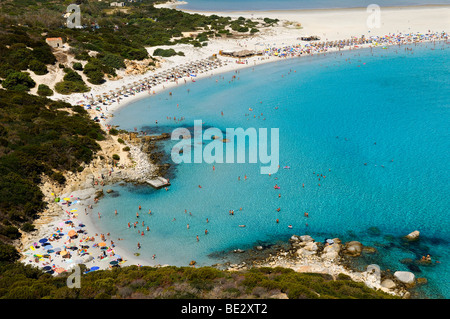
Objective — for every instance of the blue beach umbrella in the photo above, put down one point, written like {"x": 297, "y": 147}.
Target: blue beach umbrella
{"x": 95, "y": 268}
{"x": 43, "y": 240}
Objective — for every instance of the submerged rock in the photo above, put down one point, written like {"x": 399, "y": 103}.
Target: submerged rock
{"x": 413, "y": 236}
{"x": 353, "y": 248}
{"x": 406, "y": 261}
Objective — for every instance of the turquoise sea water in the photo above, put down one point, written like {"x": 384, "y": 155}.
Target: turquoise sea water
{"x": 261, "y": 5}
{"x": 375, "y": 123}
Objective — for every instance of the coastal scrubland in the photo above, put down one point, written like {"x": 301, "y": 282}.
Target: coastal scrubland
{"x": 171, "y": 282}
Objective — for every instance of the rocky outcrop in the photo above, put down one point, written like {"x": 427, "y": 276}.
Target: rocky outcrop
{"x": 140, "y": 67}
{"x": 331, "y": 252}
{"x": 353, "y": 248}
{"x": 308, "y": 256}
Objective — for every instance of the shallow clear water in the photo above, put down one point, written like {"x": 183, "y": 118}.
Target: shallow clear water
{"x": 375, "y": 123}
{"x": 261, "y": 5}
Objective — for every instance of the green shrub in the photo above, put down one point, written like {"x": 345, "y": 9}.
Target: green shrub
{"x": 38, "y": 67}
{"x": 94, "y": 72}
{"x": 58, "y": 177}
{"x": 69, "y": 87}
{"x": 113, "y": 60}
{"x": 96, "y": 77}
{"x": 43, "y": 53}
{"x": 8, "y": 253}
{"x": 126, "y": 149}
{"x": 73, "y": 76}
{"x": 116, "y": 157}
{"x": 18, "y": 81}
{"x": 10, "y": 231}
{"x": 44, "y": 90}
{"x": 165, "y": 53}
{"x": 113, "y": 131}
{"x": 28, "y": 227}
{"x": 77, "y": 66}
{"x": 83, "y": 56}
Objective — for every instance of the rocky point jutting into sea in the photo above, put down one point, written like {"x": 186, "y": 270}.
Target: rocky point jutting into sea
{"x": 332, "y": 257}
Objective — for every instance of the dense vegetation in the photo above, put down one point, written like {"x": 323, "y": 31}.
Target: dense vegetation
{"x": 166, "y": 52}
{"x": 181, "y": 283}
{"x": 38, "y": 136}
{"x": 107, "y": 36}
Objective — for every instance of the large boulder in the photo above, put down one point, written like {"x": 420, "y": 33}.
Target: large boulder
{"x": 405, "y": 277}
{"x": 374, "y": 270}
{"x": 306, "y": 238}
{"x": 331, "y": 252}
{"x": 309, "y": 248}
{"x": 388, "y": 283}
{"x": 353, "y": 248}
{"x": 413, "y": 236}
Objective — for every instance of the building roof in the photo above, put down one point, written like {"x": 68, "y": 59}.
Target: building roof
{"x": 53, "y": 39}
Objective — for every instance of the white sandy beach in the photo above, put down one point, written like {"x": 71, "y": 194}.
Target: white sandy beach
{"x": 330, "y": 25}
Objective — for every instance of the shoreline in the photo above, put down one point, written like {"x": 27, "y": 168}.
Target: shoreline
{"x": 87, "y": 194}
{"x": 174, "y": 4}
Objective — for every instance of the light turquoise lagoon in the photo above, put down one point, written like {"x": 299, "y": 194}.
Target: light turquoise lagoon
{"x": 373, "y": 125}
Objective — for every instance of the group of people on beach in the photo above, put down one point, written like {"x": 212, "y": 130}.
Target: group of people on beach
{"x": 190, "y": 70}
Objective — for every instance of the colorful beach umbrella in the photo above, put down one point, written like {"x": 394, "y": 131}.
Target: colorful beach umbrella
{"x": 72, "y": 233}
